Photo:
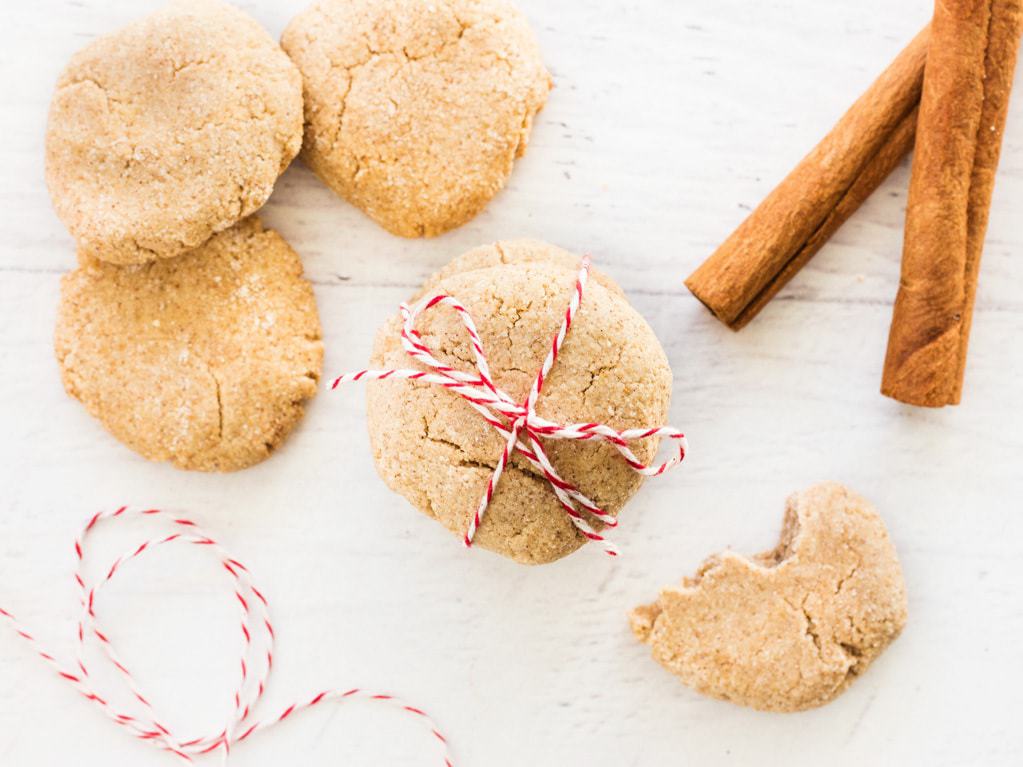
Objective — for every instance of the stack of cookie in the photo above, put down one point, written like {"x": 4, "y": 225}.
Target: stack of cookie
{"x": 435, "y": 449}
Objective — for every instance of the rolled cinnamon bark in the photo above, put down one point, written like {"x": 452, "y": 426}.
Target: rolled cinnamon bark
{"x": 815, "y": 199}
{"x": 970, "y": 66}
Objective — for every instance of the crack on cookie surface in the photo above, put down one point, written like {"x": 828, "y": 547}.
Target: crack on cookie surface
{"x": 220, "y": 405}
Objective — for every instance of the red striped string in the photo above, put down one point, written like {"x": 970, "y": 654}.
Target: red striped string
{"x": 257, "y": 635}
{"x": 523, "y": 430}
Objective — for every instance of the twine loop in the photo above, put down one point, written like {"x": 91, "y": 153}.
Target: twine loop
{"x": 521, "y": 426}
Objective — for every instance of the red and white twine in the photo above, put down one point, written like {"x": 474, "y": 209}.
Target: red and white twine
{"x": 257, "y": 635}
{"x": 519, "y": 423}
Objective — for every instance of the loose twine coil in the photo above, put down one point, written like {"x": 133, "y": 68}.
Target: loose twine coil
{"x": 256, "y": 663}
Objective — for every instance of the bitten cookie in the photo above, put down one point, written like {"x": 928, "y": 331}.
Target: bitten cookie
{"x": 204, "y": 360}
{"x": 170, "y": 130}
{"x": 787, "y": 629}
{"x": 415, "y": 110}
{"x": 434, "y": 449}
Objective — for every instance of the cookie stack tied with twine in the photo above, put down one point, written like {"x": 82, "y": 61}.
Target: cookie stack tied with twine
{"x": 524, "y": 445}
{"x": 187, "y": 329}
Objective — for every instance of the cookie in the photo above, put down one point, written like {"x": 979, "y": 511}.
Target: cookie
{"x": 415, "y": 110}
{"x": 787, "y": 629}
{"x": 430, "y": 446}
{"x": 169, "y": 130}
{"x": 203, "y": 360}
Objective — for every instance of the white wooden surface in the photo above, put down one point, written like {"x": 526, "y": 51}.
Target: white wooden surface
{"x": 669, "y": 121}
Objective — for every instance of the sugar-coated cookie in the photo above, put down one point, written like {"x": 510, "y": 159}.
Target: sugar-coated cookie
{"x": 434, "y": 449}
{"x": 169, "y": 130}
{"x": 791, "y": 628}
{"x": 415, "y": 110}
{"x": 204, "y": 360}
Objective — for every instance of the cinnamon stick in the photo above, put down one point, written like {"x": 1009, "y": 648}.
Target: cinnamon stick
{"x": 970, "y": 66}
{"x": 816, "y": 198}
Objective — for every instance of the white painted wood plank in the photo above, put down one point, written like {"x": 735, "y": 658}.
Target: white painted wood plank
{"x": 668, "y": 123}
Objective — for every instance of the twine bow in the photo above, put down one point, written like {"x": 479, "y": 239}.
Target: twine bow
{"x": 519, "y": 423}
{"x": 257, "y": 635}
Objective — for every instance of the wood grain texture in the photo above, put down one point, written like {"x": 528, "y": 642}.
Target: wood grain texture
{"x": 669, "y": 121}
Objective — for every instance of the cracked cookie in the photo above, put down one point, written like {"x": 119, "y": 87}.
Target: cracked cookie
{"x": 430, "y": 446}
{"x": 415, "y": 110}
{"x": 169, "y": 130}
{"x": 203, "y": 360}
{"x": 787, "y": 629}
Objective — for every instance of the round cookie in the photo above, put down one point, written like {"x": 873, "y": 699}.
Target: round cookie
{"x": 788, "y": 629}
{"x": 204, "y": 360}
{"x": 430, "y": 446}
{"x": 415, "y": 110}
{"x": 169, "y": 130}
